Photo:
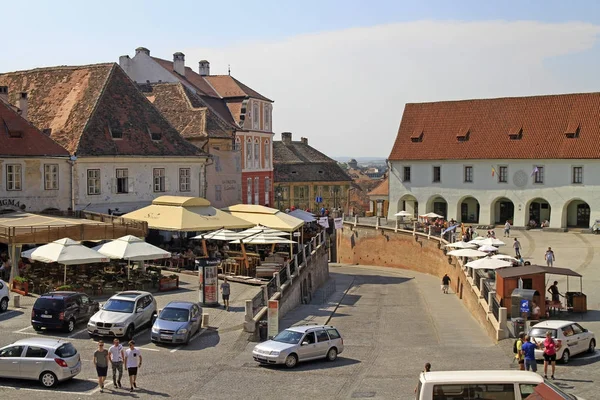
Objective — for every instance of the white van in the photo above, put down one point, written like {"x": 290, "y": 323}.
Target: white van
{"x": 496, "y": 385}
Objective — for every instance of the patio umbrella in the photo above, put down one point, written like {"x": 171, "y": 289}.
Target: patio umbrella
{"x": 477, "y": 241}
{"x": 131, "y": 248}
{"x": 65, "y": 251}
{"x": 491, "y": 242}
{"x": 505, "y": 257}
{"x": 263, "y": 230}
{"x": 488, "y": 263}
{"x": 403, "y": 214}
{"x": 220, "y": 234}
{"x": 263, "y": 239}
{"x": 488, "y": 248}
{"x": 467, "y": 253}
{"x": 462, "y": 245}
{"x": 431, "y": 215}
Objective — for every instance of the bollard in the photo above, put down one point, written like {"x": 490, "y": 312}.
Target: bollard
{"x": 277, "y": 281}
{"x": 204, "y": 320}
{"x": 502, "y": 315}
{"x": 249, "y": 314}
{"x": 490, "y": 300}
{"x": 17, "y": 301}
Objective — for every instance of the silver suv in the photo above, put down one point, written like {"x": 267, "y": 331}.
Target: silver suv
{"x": 300, "y": 343}
{"x": 122, "y": 314}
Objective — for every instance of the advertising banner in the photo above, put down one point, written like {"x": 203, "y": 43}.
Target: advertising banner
{"x": 209, "y": 284}
{"x": 323, "y": 221}
{"x": 273, "y": 318}
{"x": 338, "y": 222}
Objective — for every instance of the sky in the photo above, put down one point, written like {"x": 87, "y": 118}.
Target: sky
{"x": 340, "y": 72}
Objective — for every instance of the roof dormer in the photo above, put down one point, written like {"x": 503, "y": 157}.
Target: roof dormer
{"x": 572, "y": 131}
{"x": 515, "y": 133}
{"x": 463, "y": 135}
{"x": 417, "y": 136}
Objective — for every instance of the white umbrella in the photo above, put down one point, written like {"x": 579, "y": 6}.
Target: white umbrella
{"x": 65, "y": 251}
{"x": 488, "y": 263}
{"x": 131, "y": 248}
{"x": 263, "y": 230}
{"x": 487, "y": 248}
{"x": 263, "y": 239}
{"x": 462, "y": 245}
{"x": 505, "y": 257}
{"x": 403, "y": 214}
{"x": 478, "y": 240}
{"x": 467, "y": 253}
{"x": 491, "y": 242}
{"x": 221, "y": 234}
{"x": 431, "y": 215}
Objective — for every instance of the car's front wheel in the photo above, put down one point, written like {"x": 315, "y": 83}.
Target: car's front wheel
{"x": 332, "y": 354}
{"x": 291, "y": 361}
{"x": 566, "y": 356}
{"x": 129, "y": 332}
{"x": 592, "y": 348}
{"x": 4, "y": 304}
{"x": 70, "y": 326}
{"x": 48, "y": 379}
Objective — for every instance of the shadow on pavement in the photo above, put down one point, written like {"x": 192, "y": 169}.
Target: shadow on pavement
{"x": 210, "y": 338}
{"x": 5, "y": 316}
{"x": 316, "y": 365}
{"x": 73, "y": 385}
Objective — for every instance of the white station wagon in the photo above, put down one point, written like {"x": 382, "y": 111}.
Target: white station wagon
{"x": 574, "y": 338}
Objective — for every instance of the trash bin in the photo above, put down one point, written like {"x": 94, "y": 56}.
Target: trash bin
{"x": 519, "y": 325}
{"x": 262, "y": 330}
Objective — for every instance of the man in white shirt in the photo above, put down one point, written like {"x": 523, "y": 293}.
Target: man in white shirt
{"x": 116, "y": 355}
{"x": 133, "y": 361}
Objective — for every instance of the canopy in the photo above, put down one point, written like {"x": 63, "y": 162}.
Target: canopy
{"x": 488, "y": 248}
{"x": 303, "y": 215}
{"x": 534, "y": 269}
{"x": 261, "y": 215}
{"x": 488, "y": 263}
{"x": 467, "y": 253}
{"x": 261, "y": 230}
{"x": 491, "y": 242}
{"x": 403, "y": 214}
{"x": 221, "y": 234}
{"x": 186, "y": 214}
{"x": 431, "y": 215}
{"x": 263, "y": 239}
{"x": 131, "y": 248}
{"x": 462, "y": 245}
{"x": 505, "y": 257}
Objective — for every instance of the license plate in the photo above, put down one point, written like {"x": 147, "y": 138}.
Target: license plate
{"x": 75, "y": 370}
{"x": 261, "y": 359}
{"x": 169, "y": 337}
{"x": 103, "y": 331}
{"x": 46, "y": 316}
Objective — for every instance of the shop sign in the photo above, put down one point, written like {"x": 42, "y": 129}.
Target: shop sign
{"x": 273, "y": 318}
{"x": 12, "y": 203}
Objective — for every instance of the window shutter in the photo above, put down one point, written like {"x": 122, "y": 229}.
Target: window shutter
{"x": 130, "y": 185}
{"x": 113, "y": 185}
{"x": 167, "y": 184}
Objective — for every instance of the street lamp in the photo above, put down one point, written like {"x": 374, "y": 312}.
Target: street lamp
{"x": 279, "y": 195}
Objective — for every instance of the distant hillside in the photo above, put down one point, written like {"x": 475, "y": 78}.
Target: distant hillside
{"x": 362, "y": 160}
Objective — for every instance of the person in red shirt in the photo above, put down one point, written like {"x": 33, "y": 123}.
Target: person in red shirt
{"x": 550, "y": 347}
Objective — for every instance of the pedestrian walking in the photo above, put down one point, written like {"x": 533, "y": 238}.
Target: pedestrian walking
{"x": 528, "y": 349}
{"x": 517, "y": 247}
{"x": 445, "y": 283}
{"x": 507, "y": 229}
{"x": 519, "y": 355}
{"x": 116, "y": 355}
{"x": 133, "y": 361}
{"x": 550, "y": 347}
{"x": 550, "y": 257}
{"x": 225, "y": 291}
{"x": 101, "y": 364}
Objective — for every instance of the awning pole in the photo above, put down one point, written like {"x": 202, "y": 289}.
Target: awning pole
{"x": 245, "y": 257}
{"x": 65, "y": 279}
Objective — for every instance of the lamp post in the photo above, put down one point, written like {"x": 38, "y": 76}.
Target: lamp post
{"x": 279, "y": 195}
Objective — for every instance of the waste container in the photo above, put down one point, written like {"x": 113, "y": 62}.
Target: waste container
{"x": 519, "y": 325}
{"x": 262, "y": 330}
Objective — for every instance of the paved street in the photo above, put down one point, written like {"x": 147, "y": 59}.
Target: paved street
{"x": 393, "y": 321}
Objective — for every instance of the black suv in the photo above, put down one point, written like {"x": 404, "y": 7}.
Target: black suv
{"x": 62, "y": 310}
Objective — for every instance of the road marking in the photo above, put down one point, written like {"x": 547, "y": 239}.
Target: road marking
{"x": 40, "y": 335}
{"x": 24, "y": 329}
{"x": 87, "y": 393}
{"x": 140, "y": 332}
{"x": 77, "y": 333}
{"x": 98, "y": 388}
{"x": 146, "y": 348}
{"x": 196, "y": 336}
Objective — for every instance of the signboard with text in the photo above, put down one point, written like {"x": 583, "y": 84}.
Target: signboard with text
{"x": 524, "y": 306}
{"x": 273, "y": 318}
{"x": 324, "y": 222}
{"x": 209, "y": 285}
{"x": 338, "y": 222}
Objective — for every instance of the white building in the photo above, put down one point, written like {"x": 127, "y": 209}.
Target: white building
{"x": 124, "y": 152}
{"x": 491, "y": 160}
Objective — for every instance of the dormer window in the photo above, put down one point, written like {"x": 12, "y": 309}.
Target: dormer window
{"x": 417, "y": 136}
{"x": 155, "y": 133}
{"x": 463, "y": 135}
{"x": 13, "y": 132}
{"x": 115, "y": 132}
{"x": 572, "y": 131}
{"x": 515, "y": 134}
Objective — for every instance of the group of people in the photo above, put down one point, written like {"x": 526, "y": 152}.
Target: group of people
{"x": 116, "y": 356}
{"x": 525, "y": 347}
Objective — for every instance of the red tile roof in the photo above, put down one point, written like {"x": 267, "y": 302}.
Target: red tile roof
{"x": 536, "y": 127}
{"x": 80, "y": 103}
{"x": 19, "y": 138}
{"x": 227, "y": 86}
{"x": 382, "y": 189}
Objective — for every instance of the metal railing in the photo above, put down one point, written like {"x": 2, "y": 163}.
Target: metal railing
{"x": 485, "y": 290}
{"x": 496, "y": 308}
{"x": 258, "y": 302}
{"x": 283, "y": 276}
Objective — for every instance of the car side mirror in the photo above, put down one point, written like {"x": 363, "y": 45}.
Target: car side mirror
{"x": 304, "y": 344}
{"x": 194, "y": 319}
{"x": 101, "y": 305}
{"x": 139, "y": 310}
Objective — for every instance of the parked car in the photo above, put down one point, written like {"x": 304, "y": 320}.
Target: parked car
{"x": 3, "y": 296}
{"x": 122, "y": 314}
{"x": 177, "y": 322}
{"x": 48, "y": 360}
{"x": 300, "y": 343}
{"x": 574, "y": 338}
{"x": 62, "y": 310}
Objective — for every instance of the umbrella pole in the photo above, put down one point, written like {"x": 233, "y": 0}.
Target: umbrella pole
{"x": 204, "y": 247}
{"x": 245, "y": 257}
{"x": 128, "y": 267}
{"x": 273, "y": 248}
{"x": 65, "y": 277}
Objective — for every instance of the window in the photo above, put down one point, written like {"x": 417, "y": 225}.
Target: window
{"x": 238, "y": 144}
{"x": 267, "y": 190}
{"x": 322, "y": 336}
{"x": 577, "y": 174}
{"x": 469, "y": 174}
{"x": 256, "y": 154}
{"x": 155, "y": 134}
{"x": 184, "y": 179}
{"x": 13, "y": 351}
{"x": 538, "y": 174}
{"x": 503, "y": 174}
{"x": 13, "y": 177}
{"x": 255, "y": 115}
{"x": 122, "y": 180}
{"x": 499, "y": 391}
{"x": 159, "y": 179}
{"x": 218, "y": 193}
{"x": 309, "y": 338}
{"x": 93, "y": 181}
{"x": 267, "y": 154}
{"x": 437, "y": 174}
{"x": 577, "y": 329}
{"x": 217, "y": 161}
{"x": 203, "y": 181}
{"x": 51, "y": 176}
{"x": 248, "y": 153}
{"x": 267, "y": 118}
{"x": 249, "y": 191}
{"x": 256, "y": 187}
{"x": 35, "y": 352}
{"x": 333, "y": 334}
{"x": 406, "y": 174}
{"x": 115, "y": 132}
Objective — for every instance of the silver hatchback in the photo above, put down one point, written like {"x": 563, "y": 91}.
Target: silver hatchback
{"x": 300, "y": 343}
{"x": 48, "y": 360}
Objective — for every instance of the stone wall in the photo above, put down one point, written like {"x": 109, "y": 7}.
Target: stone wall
{"x": 384, "y": 247}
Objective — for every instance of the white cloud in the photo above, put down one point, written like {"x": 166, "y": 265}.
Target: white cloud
{"x": 346, "y": 90}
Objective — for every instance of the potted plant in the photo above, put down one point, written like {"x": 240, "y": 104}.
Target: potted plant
{"x": 20, "y": 285}
{"x": 170, "y": 282}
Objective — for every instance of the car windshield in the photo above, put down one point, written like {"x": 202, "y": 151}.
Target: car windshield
{"x": 66, "y": 350}
{"x": 559, "y": 391}
{"x": 175, "y": 314}
{"x": 118, "y": 305}
{"x": 49, "y": 304}
{"x": 541, "y": 332}
{"x": 287, "y": 336}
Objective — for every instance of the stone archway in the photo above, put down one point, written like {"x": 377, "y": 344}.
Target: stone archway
{"x": 409, "y": 203}
{"x": 537, "y": 210}
{"x": 502, "y": 210}
{"x": 438, "y": 205}
{"x": 576, "y": 214}
{"x": 468, "y": 210}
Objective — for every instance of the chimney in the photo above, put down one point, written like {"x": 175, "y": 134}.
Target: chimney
{"x": 4, "y": 93}
{"x": 286, "y": 137}
{"x": 204, "y": 68}
{"x": 22, "y": 104}
{"x": 304, "y": 140}
{"x": 179, "y": 63}
{"x": 142, "y": 50}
